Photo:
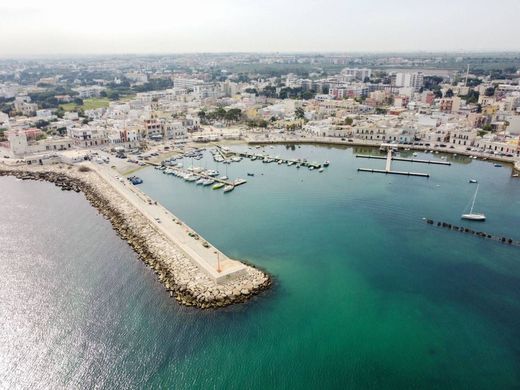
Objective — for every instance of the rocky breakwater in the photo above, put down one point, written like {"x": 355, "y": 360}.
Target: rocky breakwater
{"x": 180, "y": 276}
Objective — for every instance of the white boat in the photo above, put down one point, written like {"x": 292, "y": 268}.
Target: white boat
{"x": 415, "y": 154}
{"x": 320, "y": 170}
{"x": 208, "y": 182}
{"x": 199, "y": 182}
{"x": 224, "y": 177}
{"x": 229, "y": 188}
{"x": 474, "y": 216}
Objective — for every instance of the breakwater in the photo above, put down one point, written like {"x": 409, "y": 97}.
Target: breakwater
{"x": 180, "y": 275}
{"x": 477, "y": 233}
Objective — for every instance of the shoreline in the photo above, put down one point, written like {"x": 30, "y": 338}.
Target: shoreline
{"x": 180, "y": 273}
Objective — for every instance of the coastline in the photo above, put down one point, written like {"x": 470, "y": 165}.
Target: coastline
{"x": 176, "y": 264}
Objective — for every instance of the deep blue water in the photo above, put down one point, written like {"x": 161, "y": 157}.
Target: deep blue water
{"x": 366, "y": 294}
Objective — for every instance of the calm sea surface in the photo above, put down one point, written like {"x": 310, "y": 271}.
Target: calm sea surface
{"x": 366, "y": 294}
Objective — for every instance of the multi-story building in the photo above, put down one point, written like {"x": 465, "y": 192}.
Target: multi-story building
{"x": 408, "y": 80}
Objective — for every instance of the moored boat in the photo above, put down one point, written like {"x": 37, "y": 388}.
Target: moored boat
{"x": 229, "y": 188}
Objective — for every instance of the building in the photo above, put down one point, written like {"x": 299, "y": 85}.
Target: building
{"x": 408, "y": 80}
{"x": 360, "y": 74}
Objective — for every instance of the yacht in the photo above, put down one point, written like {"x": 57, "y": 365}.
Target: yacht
{"x": 218, "y": 186}
{"x": 200, "y": 181}
{"x": 474, "y": 216}
{"x": 208, "y": 182}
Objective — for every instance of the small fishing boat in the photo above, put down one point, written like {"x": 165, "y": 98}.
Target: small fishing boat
{"x": 326, "y": 163}
{"x": 250, "y": 174}
{"x": 498, "y": 165}
{"x": 218, "y": 186}
{"x": 320, "y": 170}
{"x": 473, "y": 181}
{"x": 229, "y": 188}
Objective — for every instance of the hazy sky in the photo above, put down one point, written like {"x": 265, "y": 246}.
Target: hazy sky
{"x": 43, "y": 27}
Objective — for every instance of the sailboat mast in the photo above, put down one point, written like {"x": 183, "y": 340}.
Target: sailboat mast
{"x": 473, "y": 203}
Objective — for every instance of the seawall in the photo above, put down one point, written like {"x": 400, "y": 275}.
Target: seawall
{"x": 180, "y": 274}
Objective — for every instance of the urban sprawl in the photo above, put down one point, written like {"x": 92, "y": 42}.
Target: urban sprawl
{"x": 457, "y": 103}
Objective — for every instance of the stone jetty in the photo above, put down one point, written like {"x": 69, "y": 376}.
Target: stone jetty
{"x": 182, "y": 277}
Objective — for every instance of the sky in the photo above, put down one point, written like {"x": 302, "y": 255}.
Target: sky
{"x": 56, "y": 27}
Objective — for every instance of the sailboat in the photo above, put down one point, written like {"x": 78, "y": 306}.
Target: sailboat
{"x": 474, "y": 216}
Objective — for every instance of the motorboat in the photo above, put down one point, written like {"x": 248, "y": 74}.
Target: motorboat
{"x": 218, "y": 186}
{"x": 229, "y": 188}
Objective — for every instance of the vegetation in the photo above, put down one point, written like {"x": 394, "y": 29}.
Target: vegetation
{"x": 88, "y": 104}
{"x": 220, "y": 114}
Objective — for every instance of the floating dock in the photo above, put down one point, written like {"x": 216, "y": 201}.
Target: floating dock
{"x": 413, "y": 160}
{"x": 390, "y": 172}
{"x": 388, "y": 167}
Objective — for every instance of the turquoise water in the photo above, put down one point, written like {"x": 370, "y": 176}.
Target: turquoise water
{"x": 366, "y": 294}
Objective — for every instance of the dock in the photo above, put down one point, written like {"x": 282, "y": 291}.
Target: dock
{"x": 388, "y": 166}
{"x": 413, "y": 160}
{"x": 393, "y": 172}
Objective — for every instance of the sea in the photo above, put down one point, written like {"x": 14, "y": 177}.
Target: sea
{"x": 366, "y": 294}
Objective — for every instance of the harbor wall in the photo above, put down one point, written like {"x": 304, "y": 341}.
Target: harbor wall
{"x": 179, "y": 274}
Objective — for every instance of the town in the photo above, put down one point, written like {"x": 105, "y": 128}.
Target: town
{"x": 430, "y": 103}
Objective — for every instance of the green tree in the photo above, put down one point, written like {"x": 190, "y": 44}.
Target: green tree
{"x": 490, "y": 91}
{"x": 299, "y": 113}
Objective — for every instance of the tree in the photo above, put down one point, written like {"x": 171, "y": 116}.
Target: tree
{"x": 349, "y": 121}
{"x": 299, "y": 113}
{"x": 202, "y": 116}
{"x": 40, "y": 124}
{"x": 449, "y": 93}
{"x": 78, "y": 101}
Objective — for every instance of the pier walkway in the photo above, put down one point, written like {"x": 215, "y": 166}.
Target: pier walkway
{"x": 210, "y": 260}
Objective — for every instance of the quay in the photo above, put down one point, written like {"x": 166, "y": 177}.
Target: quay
{"x": 193, "y": 271}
